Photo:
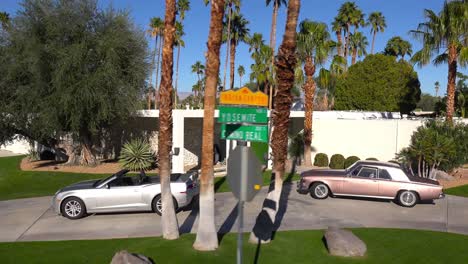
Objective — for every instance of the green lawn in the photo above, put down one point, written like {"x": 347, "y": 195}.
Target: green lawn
{"x": 15, "y": 183}
{"x": 458, "y": 191}
{"x": 384, "y": 246}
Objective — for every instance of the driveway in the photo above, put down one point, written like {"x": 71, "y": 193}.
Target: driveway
{"x": 33, "y": 219}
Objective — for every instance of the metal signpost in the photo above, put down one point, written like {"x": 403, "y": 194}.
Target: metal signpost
{"x": 243, "y": 123}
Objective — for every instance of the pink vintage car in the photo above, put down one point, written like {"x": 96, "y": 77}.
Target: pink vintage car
{"x": 370, "y": 179}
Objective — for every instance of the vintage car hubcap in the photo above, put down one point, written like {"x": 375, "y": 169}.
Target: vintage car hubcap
{"x": 321, "y": 190}
{"x": 73, "y": 208}
{"x": 408, "y": 198}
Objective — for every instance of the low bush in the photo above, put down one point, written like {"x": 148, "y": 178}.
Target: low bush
{"x": 350, "y": 161}
{"x": 321, "y": 160}
{"x": 374, "y": 159}
{"x": 337, "y": 161}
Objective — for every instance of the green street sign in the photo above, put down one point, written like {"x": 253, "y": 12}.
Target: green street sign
{"x": 257, "y": 133}
{"x": 229, "y": 114}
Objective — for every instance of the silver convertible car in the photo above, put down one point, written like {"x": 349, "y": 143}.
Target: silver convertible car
{"x": 121, "y": 192}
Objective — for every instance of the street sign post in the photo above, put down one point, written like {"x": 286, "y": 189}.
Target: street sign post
{"x": 243, "y": 124}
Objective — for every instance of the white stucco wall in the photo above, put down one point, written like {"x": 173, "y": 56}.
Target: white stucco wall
{"x": 18, "y": 146}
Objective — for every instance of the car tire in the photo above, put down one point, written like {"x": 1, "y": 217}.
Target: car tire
{"x": 407, "y": 198}
{"x": 73, "y": 208}
{"x": 157, "y": 204}
{"x": 319, "y": 190}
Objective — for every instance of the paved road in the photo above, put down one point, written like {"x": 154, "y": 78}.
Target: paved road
{"x": 33, "y": 219}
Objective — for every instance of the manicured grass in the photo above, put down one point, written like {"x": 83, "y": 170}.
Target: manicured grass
{"x": 458, "y": 191}
{"x": 384, "y": 246}
{"x": 15, "y": 183}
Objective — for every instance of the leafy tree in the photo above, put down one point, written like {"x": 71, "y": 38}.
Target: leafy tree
{"x": 427, "y": 102}
{"x": 70, "y": 69}
{"x": 446, "y": 32}
{"x": 397, "y": 46}
{"x": 378, "y": 83}
{"x": 377, "y": 22}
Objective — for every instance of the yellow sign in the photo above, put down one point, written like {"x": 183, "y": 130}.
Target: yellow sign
{"x": 244, "y": 96}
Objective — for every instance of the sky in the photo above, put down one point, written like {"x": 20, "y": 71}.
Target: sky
{"x": 401, "y": 16}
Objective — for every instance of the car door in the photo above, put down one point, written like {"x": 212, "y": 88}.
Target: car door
{"x": 361, "y": 182}
{"x": 120, "y": 194}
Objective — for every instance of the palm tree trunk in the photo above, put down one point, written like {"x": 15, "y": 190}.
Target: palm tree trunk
{"x": 228, "y": 42}
{"x": 285, "y": 65}
{"x": 156, "y": 88}
{"x": 273, "y": 47}
{"x": 240, "y": 81}
{"x": 346, "y": 43}
{"x": 177, "y": 77}
{"x": 354, "y": 55}
{"x": 373, "y": 41}
{"x": 309, "y": 91}
{"x": 340, "y": 43}
{"x": 233, "y": 63}
{"x": 170, "y": 226}
{"x": 452, "y": 71}
{"x": 150, "y": 91}
{"x": 207, "y": 238}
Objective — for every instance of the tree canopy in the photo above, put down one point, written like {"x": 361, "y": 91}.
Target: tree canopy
{"x": 378, "y": 83}
{"x": 69, "y": 67}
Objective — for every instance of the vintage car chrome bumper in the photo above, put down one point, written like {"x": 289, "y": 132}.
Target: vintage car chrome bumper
{"x": 301, "y": 188}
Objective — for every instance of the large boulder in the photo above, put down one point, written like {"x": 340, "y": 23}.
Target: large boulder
{"x": 344, "y": 243}
{"x": 124, "y": 257}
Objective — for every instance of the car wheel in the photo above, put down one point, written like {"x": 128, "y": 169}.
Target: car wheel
{"x": 157, "y": 204}
{"x": 319, "y": 190}
{"x": 407, "y": 198}
{"x": 73, "y": 208}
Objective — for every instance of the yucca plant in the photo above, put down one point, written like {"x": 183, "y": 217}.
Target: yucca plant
{"x": 136, "y": 155}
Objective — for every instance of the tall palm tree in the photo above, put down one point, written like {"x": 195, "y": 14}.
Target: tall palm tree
{"x": 4, "y": 19}
{"x": 396, "y": 46}
{"x": 231, "y": 6}
{"x": 199, "y": 69}
{"x": 437, "y": 87}
{"x": 313, "y": 48}
{"x": 240, "y": 72}
{"x": 255, "y": 43}
{"x": 357, "y": 45}
{"x": 170, "y": 226}
{"x": 261, "y": 69}
{"x": 377, "y": 22}
{"x": 447, "y": 32}
{"x": 207, "y": 237}
{"x": 156, "y": 30}
{"x": 239, "y": 32}
{"x": 182, "y": 7}
{"x": 337, "y": 27}
{"x": 350, "y": 15}
{"x": 285, "y": 64}
{"x": 276, "y": 5}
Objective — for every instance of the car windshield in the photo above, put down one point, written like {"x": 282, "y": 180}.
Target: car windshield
{"x": 99, "y": 182}
{"x": 351, "y": 168}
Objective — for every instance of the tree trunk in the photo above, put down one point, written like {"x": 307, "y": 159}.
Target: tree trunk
{"x": 233, "y": 63}
{"x": 177, "y": 77}
{"x": 240, "y": 81}
{"x": 309, "y": 92}
{"x": 373, "y": 41}
{"x": 346, "y": 43}
{"x": 170, "y": 226}
{"x": 156, "y": 88}
{"x": 419, "y": 166}
{"x": 452, "y": 71}
{"x": 340, "y": 43}
{"x": 285, "y": 65}
{"x": 273, "y": 47}
{"x": 354, "y": 55}
{"x": 228, "y": 42}
{"x": 153, "y": 65}
{"x": 207, "y": 238}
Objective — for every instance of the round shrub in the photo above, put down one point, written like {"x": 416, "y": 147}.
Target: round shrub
{"x": 350, "y": 160}
{"x": 374, "y": 159}
{"x": 321, "y": 160}
{"x": 337, "y": 161}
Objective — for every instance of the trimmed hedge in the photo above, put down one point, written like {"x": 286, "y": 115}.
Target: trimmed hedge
{"x": 350, "y": 160}
{"x": 337, "y": 161}
{"x": 321, "y": 160}
{"x": 374, "y": 159}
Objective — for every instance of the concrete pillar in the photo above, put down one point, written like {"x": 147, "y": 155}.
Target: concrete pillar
{"x": 178, "y": 141}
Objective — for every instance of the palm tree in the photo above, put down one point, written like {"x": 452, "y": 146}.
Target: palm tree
{"x": 255, "y": 43}
{"x": 285, "y": 64}
{"x": 239, "y": 33}
{"x": 241, "y": 72}
{"x": 4, "y": 19}
{"x": 437, "y": 86}
{"x": 350, "y": 15}
{"x": 156, "y": 30}
{"x": 261, "y": 69}
{"x": 207, "y": 237}
{"x": 357, "y": 45}
{"x": 182, "y": 7}
{"x": 446, "y": 31}
{"x": 170, "y": 226}
{"x": 397, "y": 46}
{"x": 313, "y": 48}
{"x": 337, "y": 27}
{"x": 377, "y": 22}
{"x": 230, "y": 5}
{"x": 199, "y": 69}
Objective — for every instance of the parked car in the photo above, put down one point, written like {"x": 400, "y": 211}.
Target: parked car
{"x": 370, "y": 179}
{"x": 122, "y": 192}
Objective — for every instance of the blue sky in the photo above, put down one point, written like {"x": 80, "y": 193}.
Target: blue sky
{"x": 401, "y": 16}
